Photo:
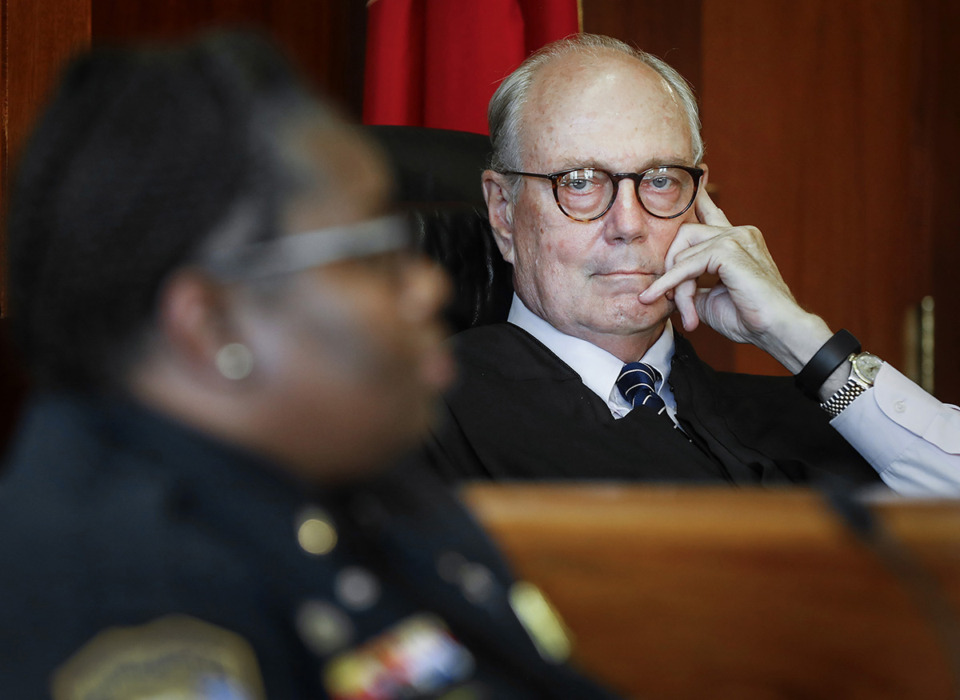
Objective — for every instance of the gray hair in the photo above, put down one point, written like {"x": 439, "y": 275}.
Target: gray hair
{"x": 506, "y": 105}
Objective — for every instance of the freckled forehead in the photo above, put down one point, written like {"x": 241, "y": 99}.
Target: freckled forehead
{"x": 610, "y": 111}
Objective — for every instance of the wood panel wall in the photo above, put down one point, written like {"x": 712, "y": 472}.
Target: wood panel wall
{"x": 936, "y": 116}
{"x": 325, "y": 39}
{"x": 833, "y": 127}
{"x": 821, "y": 92}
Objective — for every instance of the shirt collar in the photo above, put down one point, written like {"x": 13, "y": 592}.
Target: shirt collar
{"x": 598, "y": 369}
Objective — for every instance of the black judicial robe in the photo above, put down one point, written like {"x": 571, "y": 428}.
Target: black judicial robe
{"x": 115, "y": 518}
{"x": 519, "y": 412}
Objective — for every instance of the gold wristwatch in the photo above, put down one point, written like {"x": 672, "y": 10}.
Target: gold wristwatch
{"x": 863, "y": 371}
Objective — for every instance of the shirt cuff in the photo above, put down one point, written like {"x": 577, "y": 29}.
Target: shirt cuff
{"x": 910, "y": 438}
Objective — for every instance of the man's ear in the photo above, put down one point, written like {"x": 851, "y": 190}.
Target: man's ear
{"x": 496, "y": 192}
{"x": 192, "y": 318}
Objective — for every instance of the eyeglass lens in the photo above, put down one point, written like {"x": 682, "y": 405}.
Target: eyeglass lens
{"x": 586, "y": 193}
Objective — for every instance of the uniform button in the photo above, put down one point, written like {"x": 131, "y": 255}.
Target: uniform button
{"x": 476, "y": 583}
{"x": 323, "y": 627}
{"x": 315, "y": 531}
{"x": 900, "y": 406}
{"x": 357, "y": 588}
{"x": 449, "y": 565}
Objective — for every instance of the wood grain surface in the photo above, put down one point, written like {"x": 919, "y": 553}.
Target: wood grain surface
{"x": 681, "y": 593}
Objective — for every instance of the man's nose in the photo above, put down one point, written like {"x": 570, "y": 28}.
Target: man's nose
{"x": 627, "y": 220}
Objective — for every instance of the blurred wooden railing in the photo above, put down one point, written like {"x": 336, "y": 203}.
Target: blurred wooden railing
{"x": 716, "y": 593}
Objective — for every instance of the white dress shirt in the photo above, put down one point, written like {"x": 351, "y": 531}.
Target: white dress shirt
{"x": 908, "y": 436}
{"x": 598, "y": 369}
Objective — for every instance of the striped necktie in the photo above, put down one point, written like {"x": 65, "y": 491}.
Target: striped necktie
{"x": 637, "y": 382}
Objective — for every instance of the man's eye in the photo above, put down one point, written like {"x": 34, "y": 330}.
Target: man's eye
{"x": 579, "y": 181}
{"x": 659, "y": 182}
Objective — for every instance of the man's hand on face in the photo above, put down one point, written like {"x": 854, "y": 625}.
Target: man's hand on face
{"x": 751, "y": 303}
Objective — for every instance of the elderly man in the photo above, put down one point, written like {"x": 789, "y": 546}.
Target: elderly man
{"x": 596, "y": 197}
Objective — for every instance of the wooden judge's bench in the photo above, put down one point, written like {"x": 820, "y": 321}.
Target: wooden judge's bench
{"x": 717, "y": 593}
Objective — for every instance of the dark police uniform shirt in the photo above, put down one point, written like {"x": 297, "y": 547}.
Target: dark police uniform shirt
{"x": 140, "y": 558}
{"x": 519, "y": 412}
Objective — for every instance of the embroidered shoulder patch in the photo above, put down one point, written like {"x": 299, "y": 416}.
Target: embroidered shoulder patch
{"x": 172, "y": 657}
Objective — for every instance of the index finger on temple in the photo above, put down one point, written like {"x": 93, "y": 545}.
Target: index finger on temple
{"x": 707, "y": 210}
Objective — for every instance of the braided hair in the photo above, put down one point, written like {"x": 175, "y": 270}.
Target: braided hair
{"x": 138, "y": 159}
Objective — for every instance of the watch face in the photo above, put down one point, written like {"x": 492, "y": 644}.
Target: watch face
{"x": 866, "y": 366}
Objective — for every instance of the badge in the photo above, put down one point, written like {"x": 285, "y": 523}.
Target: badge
{"x": 172, "y": 657}
{"x": 416, "y": 656}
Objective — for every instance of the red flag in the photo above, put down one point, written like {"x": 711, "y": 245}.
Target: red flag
{"x": 436, "y": 63}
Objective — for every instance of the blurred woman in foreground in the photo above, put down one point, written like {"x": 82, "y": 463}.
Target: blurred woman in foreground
{"x": 229, "y": 342}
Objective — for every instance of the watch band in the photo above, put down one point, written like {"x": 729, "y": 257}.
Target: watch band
{"x": 831, "y": 355}
{"x": 844, "y": 397}
{"x": 864, "y": 368}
